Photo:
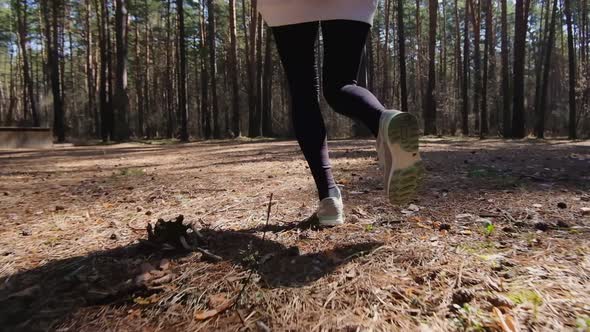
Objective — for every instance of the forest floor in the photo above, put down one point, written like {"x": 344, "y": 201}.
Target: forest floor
{"x": 497, "y": 239}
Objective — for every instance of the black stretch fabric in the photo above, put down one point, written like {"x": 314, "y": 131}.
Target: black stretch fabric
{"x": 343, "y": 44}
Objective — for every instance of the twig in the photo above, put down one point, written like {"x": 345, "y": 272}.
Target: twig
{"x": 208, "y": 255}
{"x": 459, "y": 276}
{"x": 247, "y": 282}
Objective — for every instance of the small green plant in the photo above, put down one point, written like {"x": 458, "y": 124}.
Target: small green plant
{"x": 131, "y": 172}
{"x": 526, "y": 296}
{"x": 583, "y": 323}
{"x": 369, "y": 228}
{"x": 468, "y": 318}
{"x": 489, "y": 229}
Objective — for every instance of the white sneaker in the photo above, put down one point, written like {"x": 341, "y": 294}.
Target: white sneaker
{"x": 331, "y": 211}
{"x": 399, "y": 156}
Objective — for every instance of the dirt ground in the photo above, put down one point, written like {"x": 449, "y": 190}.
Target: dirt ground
{"x": 497, "y": 239}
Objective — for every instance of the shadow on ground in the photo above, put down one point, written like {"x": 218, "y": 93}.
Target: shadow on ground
{"x": 39, "y": 298}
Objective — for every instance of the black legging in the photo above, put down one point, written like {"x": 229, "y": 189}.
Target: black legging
{"x": 343, "y": 41}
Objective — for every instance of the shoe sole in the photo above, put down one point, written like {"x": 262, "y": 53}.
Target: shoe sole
{"x": 404, "y": 169}
{"x": 330, "y": 221}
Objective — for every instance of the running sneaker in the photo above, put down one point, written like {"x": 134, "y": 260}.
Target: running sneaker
{"x": 397, "y": 148}
{"x": 331, "y": 211}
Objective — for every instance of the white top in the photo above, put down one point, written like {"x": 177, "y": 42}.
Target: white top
{"x": 285, "y": 12}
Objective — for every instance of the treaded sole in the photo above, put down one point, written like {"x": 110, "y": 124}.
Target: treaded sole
{"x": 330, "y": 221}
{"x": 407, "y": 171}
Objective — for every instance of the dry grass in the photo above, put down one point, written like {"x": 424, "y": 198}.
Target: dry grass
{"x": 484, "y": 247}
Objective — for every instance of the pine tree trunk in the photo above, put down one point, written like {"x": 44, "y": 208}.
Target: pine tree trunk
{"x": 205, "y": 110}
{"x": 233, "y": 71}
{"x": 506, "y": 111}
{"x": 259, "y": 69}
{"x": 540, "y": 125}
{"x": 90, "y": 85}
{"x": 121, "y": 98}
{"x": 402, "y": 56}
{"x": 540, "y": 55}
{"x": 168, "y": 73}
{"x": 386, "y": 84}
{"x": 182, "y": 107}
{"x": 430, "y": 101}
{"x": 465, "y": 85}
{"x": 458, "y": 69}
{"x": 139, "y": 79}
{"x": 572, "y": 71}
{"x": 21, "y": 19}
{"x": 253, "y": 126}
{"x": 486, "y": 56}
{"x": 213, "y": 67}
{"x": 51, "y": 31}
{"x": 477, "y": 86}
{"x": 418, "y": 71}
{"x": 518, "y": 116}
{"x": 267, "y": 129}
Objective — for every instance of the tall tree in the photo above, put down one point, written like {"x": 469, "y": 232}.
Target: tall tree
{"x": 267, "y": 129}
{"x": 168, "y": 80}
{"x": 429, "y": 99}
{"x": 572, "y": 71}
{"x": 50, "y": 18}
{"x": 182, "y": 107}
{"x": 506, "y": 112}
{"x": 489, "y": 45}
{"x": 233, "y": 70}
{"x": 213, "y": 67}
{"x": 521, "y": 23}
{"x": 121, "y": 98}
{"x": 465, "y": 85}
{"x": 253, "y": 123}
{"x": 28, "y": 91}
{"x": 477, "y": 86}
{"x": 386, "y": 83}
{"x": 90, "y": 71}
{"x": 540, "y": 123}
{"x": 205, "y": 110}
{"x": 402, "y": 56}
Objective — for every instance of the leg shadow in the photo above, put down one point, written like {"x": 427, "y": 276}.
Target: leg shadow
{"x": 39, "y": 298}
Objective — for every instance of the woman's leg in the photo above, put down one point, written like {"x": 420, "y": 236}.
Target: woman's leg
{"x": 344, "y": 42}
{"x": 296, "y": 46}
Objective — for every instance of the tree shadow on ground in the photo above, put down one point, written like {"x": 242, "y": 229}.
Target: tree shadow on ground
{"x": 39, "y": 298}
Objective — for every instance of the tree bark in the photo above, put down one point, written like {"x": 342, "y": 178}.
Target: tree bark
{"x": 182, "y": 107}
{"x": 402, "y": 56}
{"x": 21, "y": 19}
{"x": 205, "y": 110}
{"x": 521, "y": 22}
{"x": 486, "y": 57}
{"x": 51, "y": 31}
{"x": 213, "y": 67}
{"x": 506, "y": 111}
{"x": 234, "y": 71}
{"x": 121, "y": 98}
{"x": 430, "y": 101}
{"x": 572, "y": 71}
{"x": 267, "y": 129}
{"x": 540, "y": 125}
{"x": 253, "y": 126}
{"x": 477, "y": 86}
{"x": 465, "y": 85}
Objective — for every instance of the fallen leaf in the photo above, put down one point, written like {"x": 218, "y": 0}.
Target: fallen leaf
{"x": 217, "y": 300}
{"x": 206, "y": 314}
{"x": 507, "y": 323}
